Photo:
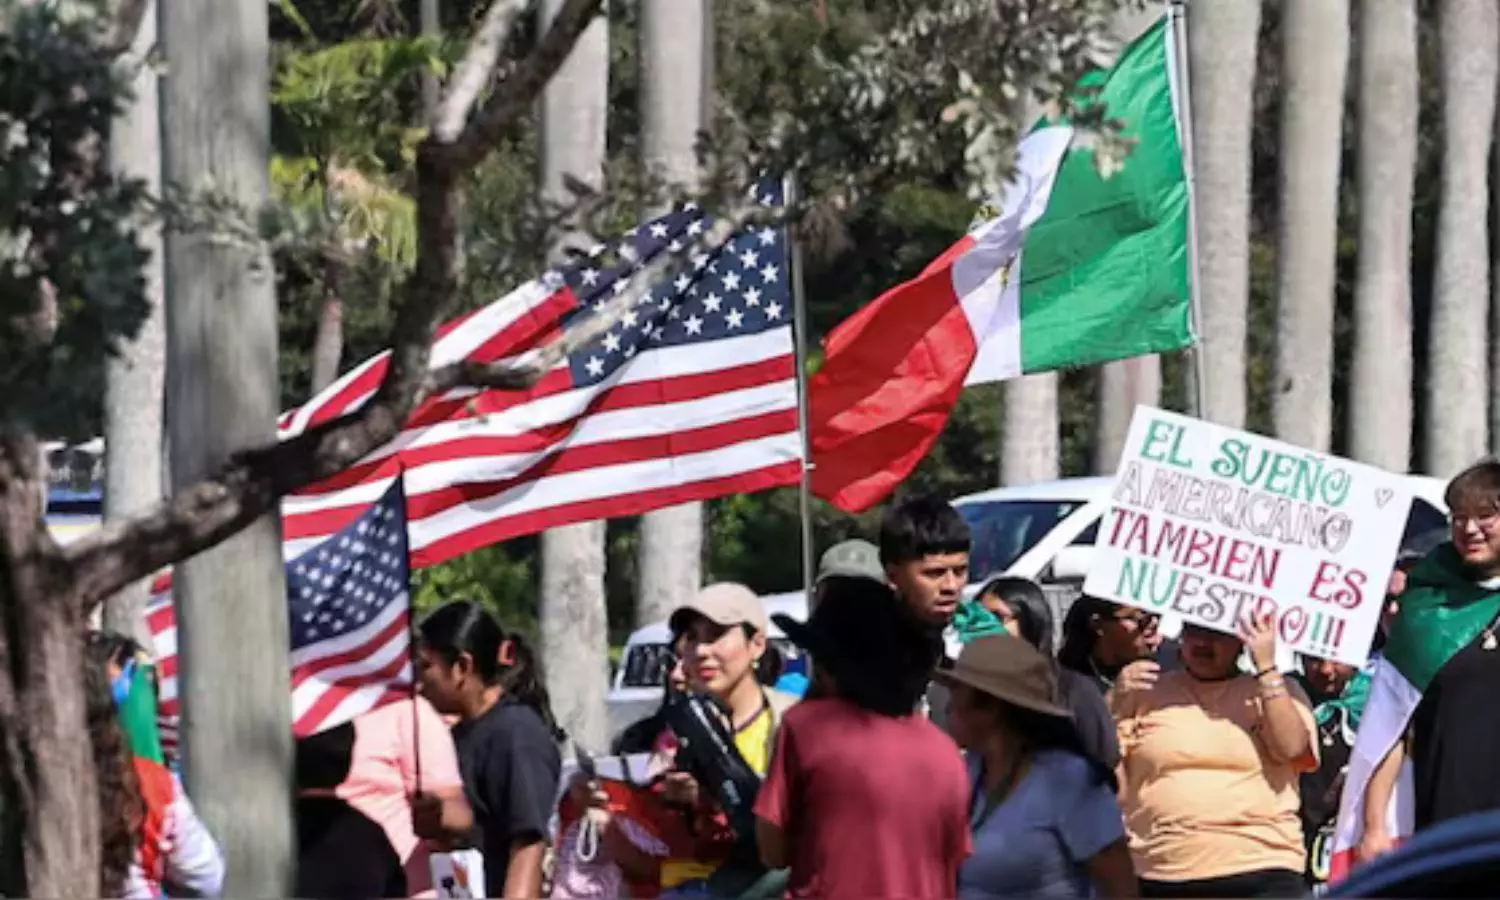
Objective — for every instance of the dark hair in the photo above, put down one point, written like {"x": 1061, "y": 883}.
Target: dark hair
{"x": 1475, "y": 488}
{"x": 454, "y": 629}
{"x": 1078, "y": 631}
{"x": 879, "y": 660}
{"x": 122, "y": 812}
{"x": 770, "y": 666}
{"x": 920, "y": 526}
{"x": 1028, "y": 604}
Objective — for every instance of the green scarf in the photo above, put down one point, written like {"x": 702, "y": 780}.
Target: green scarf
{"x": 973, "y": 620}
{"x": 1352, "y": 701}
{"x": 1442, "y": 611}
{"x": 138, "y": 717}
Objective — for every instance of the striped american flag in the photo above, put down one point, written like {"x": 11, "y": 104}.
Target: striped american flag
{"x": 692, "y": 395}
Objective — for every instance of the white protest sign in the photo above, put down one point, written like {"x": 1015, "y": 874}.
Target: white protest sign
{"x": 1215, "y": 524}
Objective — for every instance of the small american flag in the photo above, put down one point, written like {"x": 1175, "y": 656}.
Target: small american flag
{"x": 349, "y": 609}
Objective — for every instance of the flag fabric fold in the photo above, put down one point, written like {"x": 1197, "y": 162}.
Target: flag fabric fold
{"x": 1442, "y": 611}
{"x": 1072, "y": 269}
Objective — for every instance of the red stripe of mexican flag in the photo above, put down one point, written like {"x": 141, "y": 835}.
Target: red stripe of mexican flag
{"x": 1075, "y": 269}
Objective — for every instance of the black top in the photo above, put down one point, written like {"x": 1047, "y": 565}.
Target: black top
{"x": 1091, "y": 718}
{"x": 340, "y": 851}
{"x": 510, "y": 767}
{"x": 1455, "y": 737}
{"x": 1320, "y": 790}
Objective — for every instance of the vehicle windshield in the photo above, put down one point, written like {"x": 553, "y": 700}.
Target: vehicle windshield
{"x": 1005, "y": 529}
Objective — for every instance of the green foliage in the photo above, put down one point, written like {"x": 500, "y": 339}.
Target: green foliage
{"x": 493, "y": 577}
{"x": 70, "y": 265}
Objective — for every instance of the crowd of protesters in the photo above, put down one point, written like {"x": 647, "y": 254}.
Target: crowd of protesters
{"x": 947, "y": 745}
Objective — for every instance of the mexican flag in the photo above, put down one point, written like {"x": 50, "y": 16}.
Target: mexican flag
{"x": 1442, "y": 611}
{"x": 138, "y": 717}
{"x": 1068, "y": 268}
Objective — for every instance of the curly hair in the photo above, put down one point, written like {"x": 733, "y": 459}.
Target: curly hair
{"x": 121, "y": 810}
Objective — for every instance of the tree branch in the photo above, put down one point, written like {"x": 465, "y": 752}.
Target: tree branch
{"x": 476, "y": 69}
{"x": 513, "y": 97}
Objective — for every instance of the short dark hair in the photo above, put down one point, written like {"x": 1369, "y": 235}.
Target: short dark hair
{"x": 1475, "y": 488}
{"x": 920, "y": 526}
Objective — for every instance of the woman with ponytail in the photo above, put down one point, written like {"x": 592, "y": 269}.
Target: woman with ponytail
{"x": 507, "y": 738}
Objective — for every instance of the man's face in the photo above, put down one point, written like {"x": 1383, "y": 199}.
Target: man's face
{"x": 931, "y": 586}
{"x": 1476, "y": 536}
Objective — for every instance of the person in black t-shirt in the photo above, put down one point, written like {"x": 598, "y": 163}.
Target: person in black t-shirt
{"x": 507, "y": 739}
{"x": 1326, "y": 683}
{"x": 1104, "y": 641}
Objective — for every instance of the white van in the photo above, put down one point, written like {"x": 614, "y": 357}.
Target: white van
{"x": 637, "y": 688}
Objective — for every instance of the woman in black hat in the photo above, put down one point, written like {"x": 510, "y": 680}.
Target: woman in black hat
{"x": 1043, "y": 812}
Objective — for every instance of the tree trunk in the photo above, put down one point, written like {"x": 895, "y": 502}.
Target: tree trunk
{"x": 1029, "y": 430}
{"x": 672, "y": 88}
{"x": 1456, "y": 419}
{"x": 223, "y": 396}
{"x": 574, "y": 629}
{"x": 1126, "y": 384}
{"x": 1123, "y": 386}
{"x": 430, "y": 15}
{"x": 1221, "y": 52}
{"x": 1315, "y": 57}
{"x": 49, "y": 808}
{"x": 328, "y": 340}
{"x": 133, "y": 399}
{"x": 1380, "y": 390}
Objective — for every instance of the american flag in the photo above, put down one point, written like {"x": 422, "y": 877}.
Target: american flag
{"x": 692, "y": 396}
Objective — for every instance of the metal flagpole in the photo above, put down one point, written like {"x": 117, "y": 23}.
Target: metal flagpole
{"x": 790, "y": 197}
{"x": 1182, "y": 102}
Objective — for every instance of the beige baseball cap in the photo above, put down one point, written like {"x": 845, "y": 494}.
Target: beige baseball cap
{"x": 725, "y": 603}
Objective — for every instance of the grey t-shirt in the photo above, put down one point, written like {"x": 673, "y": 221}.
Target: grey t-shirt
{"x": 1039, "y": 841}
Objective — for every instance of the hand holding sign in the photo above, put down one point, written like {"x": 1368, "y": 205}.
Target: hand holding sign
{"x": 1258, "y": 631}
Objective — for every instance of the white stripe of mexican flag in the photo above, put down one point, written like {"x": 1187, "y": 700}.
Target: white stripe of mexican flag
{"x": 1079, "y": 269}
{"x": 1393, "y": 699}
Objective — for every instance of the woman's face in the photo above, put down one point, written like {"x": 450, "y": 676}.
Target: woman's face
{"x": 972, "y": 716}
{"x": 1125, "y": 635}
{"x": 718, "y": 657}
{"x": 1004, "y": 612}
{"x": 1208, "y": 654}
{"x": 441, "y": 683}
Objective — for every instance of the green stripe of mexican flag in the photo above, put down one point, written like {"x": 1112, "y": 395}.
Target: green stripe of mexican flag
{"x": 1099, "y": 268}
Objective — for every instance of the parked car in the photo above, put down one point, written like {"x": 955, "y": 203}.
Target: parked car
{"x": 648, "y": 656}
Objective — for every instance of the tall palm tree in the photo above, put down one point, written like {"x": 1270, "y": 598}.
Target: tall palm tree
{"x": 1314, "y": 60}
{"x": 1029, "y": 442}
{"x": 223, "y": 397}
{"x": 1221, "y": 54}
{"x": 573, "y": 624}
{"x": 673, "y": 85}
{"x": 1380, "y": 390}
{"x": 136, "y": 378}
{"x": 1456, "y": 419}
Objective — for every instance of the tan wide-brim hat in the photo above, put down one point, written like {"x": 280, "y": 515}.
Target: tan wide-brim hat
{"x": 1012, "y": 670}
